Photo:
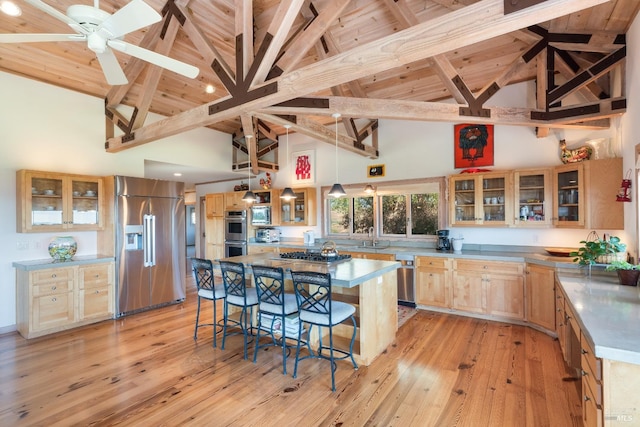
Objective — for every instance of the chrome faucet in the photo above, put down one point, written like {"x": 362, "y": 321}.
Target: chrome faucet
{"x": 372, "y": 236}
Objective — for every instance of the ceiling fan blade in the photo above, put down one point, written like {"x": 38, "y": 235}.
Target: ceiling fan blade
{"x": 34, "y": 38}
{"x": 133, "y": 16}
{"x": 111, "y": 68}
{"x": 52, "y": 11}
{"x": 155, "y": 58}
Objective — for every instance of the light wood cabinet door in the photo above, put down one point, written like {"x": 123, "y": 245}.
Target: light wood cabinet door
{"x": 96, "y": 291}
{"x": 52, "y": 311}
{"x": 214, "y": 231}
{"x": 541, "y": 296}
{"x": 468, "y": 291}
{"x": 49, "y": 202}
{"x": 233, "y": 200}
{"x": 214, "y": 205}
{"x": 301, "y": 210}
{"x": 533, "y": 198}
{"x": 481, "y": 199}
{"x": 505, "y": 295}
{"x": 432, "y": 287}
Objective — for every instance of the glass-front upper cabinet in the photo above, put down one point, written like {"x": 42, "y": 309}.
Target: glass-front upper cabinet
{"x": 532, "y": 198}
{"x": 301, "y": 210}
{"x": 55, "y": 202}
{"x": 480, "y": 199}
{"x": 568, "y": 196}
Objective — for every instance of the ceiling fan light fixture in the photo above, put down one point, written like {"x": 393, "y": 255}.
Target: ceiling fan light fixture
{"x": 10, "y": 8}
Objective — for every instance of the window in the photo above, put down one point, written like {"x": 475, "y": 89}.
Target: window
{"x": 397, "y": 210}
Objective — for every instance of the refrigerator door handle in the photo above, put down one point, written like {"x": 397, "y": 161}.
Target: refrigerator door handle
{"x": 148, "y": 240}
{"x": 152, "y": 247}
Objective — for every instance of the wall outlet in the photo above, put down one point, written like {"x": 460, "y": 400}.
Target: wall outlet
{"x": 22, "y": 246}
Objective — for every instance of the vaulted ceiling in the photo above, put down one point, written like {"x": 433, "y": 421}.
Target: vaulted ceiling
{"x": 296, "y": 62}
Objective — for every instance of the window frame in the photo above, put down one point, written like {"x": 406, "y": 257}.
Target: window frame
{"x": 399, "y": 187}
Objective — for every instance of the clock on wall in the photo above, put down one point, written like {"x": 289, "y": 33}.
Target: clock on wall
{"x": 375, "y": 171}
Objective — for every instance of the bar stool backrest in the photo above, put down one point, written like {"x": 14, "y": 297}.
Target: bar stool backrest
{"x": 203, "y": 270}
{"x": 234, "y": 279}
{"x": 269, "y": 284}
{"x": 313, "y": 291}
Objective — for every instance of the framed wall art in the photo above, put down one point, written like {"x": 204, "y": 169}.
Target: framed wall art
{"x": 304, "y": 168}
{"x": 473, "y": 145}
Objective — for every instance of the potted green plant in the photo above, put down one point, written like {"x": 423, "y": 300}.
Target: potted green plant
{"x": 600, "y": 251}
{"x": 628, "y": 274}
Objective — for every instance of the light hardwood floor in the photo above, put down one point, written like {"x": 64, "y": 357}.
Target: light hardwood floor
{"x": 146, "y": 369}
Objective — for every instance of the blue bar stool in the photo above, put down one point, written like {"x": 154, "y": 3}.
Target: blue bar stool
{"x": 208, "y": 290}
{"x": 316, "y": 308}
{"x": 275, "y": 303}
{"x": 239, "y": 295}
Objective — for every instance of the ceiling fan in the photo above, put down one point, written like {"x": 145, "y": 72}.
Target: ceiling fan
{"x": 103, "y": 32}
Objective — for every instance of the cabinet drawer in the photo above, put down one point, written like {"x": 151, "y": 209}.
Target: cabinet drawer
{"x": 591, "y": 410}
{"x": 53, "y": 281}
{"x": 93, "y": 276}
{"x": 590, "y": 362}
{"x": 435, "y": 262}
{"x": 52, "y": 275}
{"x": 489, "y": 266}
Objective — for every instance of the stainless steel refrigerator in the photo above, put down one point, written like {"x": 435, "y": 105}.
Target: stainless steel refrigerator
{"x": 150, "y": 244}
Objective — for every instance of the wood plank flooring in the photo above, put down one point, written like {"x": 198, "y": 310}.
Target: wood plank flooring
{"x": 146, "y": 369}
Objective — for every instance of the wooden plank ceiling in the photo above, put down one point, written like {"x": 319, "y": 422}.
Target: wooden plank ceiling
{"x": 296, "y": 62}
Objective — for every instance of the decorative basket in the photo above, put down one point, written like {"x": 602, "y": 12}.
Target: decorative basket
{"x": 609, "y": 258}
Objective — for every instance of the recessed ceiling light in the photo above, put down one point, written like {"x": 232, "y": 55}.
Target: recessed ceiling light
{"x": 177, "y": 174}
{"x": 10, "y": 8}
{"x": 210, "y": 89}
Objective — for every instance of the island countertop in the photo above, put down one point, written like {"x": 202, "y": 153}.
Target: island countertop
{"x": 608, "y": 314}
{"x": 346, "y": 274}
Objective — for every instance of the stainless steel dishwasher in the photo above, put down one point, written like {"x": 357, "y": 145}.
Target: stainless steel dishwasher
{"x": 406, "y": 286}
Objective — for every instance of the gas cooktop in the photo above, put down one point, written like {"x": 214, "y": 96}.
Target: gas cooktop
{"x": 316, "y": 257}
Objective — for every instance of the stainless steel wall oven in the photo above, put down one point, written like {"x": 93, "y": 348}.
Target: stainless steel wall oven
{"x": 235, "y": 233}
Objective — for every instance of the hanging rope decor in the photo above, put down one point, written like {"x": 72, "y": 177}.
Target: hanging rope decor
{"x": 624, "y": 195}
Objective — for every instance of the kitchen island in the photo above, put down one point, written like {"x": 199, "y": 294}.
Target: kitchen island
{"x": 369, "y": 285}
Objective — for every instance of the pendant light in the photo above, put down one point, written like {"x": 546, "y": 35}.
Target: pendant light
{"x": 249, "y": 197}
{"x": 369, "y": 189}
{"x": 337, "y": 190}
{"x": 287, "y": 193}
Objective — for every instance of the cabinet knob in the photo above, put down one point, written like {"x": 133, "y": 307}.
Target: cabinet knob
{"x": 583, "y": 372}
{"x": 586, "y": 398}
{"x": 53, "y": 288}
{"x": 96, "y": 276}
{"x": 54, "y": 299}
{"x": 583, "y": 351}
{"x": 97, "y": 292}
{"x": 54, "y": 275}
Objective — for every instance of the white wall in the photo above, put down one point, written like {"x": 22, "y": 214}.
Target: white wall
{"x": 43, "y": 127}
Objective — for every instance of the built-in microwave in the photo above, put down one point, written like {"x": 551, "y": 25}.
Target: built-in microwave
{"x": 260, "y": 215}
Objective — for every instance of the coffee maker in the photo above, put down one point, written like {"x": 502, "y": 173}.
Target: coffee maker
{"x": 444, "y": 244}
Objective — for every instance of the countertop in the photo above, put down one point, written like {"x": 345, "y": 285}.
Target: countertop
{"x": 493, "y": 253}
{"x": 40, "y": 264}
{"x": 346, "y": 274}
{"x": 608, "y": 314}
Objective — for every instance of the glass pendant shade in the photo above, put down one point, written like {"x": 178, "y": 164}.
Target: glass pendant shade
{"x": 337, "y": 191}
{"x": 288, "y": 194}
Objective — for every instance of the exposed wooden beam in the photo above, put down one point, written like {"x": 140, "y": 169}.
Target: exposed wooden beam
{"x": 277, "y": 32}
{"x": 430, "y": 111}
{"x": 244, "y": 28}
{"x": 478, "y": 22}
{"x": 299, "y": 48}
{"x": 321, "y": 133}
